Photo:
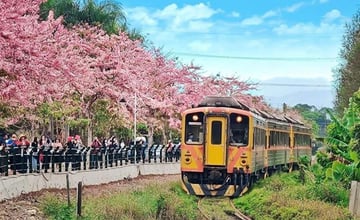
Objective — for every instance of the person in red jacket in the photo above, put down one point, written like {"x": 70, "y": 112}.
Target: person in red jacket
{"x": 21, "y": 155}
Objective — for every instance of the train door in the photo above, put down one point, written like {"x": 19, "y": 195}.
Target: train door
{"x": 215, "y": 145}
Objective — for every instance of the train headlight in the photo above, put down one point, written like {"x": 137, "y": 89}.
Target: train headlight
{"x": 187, "y": 160}
{"x": 238, "y": 119}
{"x": 195, "y": 117}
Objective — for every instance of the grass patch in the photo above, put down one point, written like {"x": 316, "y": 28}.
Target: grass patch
{"x": 55, "y": 208}
{"x": 153, "y": 202}
{"x": 283, "y": 197}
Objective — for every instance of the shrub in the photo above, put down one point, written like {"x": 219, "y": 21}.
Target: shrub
{"x": 329, "y": 191}
{"x": 52, "y": 206}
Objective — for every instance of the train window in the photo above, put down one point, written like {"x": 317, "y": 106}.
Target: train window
{"x": 259, "y": 137}
{"x": 302, "y": 140}
{"x": 194, "y": 128}
{"x": 216, "y": 132}
{"x": 239, "y": 128}
{"x": 272, "y": 138}
{"x": 279, "y": 138}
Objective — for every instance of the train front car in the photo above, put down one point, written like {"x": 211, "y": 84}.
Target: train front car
{"x": 215, "y": 151}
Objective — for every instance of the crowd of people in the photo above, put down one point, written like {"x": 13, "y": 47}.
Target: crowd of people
{"x": 19, "y": 154}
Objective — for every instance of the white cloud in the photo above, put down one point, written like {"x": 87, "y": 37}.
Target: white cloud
{"x": 235, "y": 14}
{"x": 179, "y": 16}
{"x": 254, "y": 20}
{"x": 257, "y": 20}
{"x": 168, "y": 12}
{"x": 269, "y": 14}
{"x": 199, "y": 26}
{"x": 306, "y": 28}
{"x": 177, "y": 28}
{"x": 332, "y": 15}
{"x": 140, "y": 14}
{"x": 294, "y": 7}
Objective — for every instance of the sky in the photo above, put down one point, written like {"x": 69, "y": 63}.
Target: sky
{"x": 290, "y": 48}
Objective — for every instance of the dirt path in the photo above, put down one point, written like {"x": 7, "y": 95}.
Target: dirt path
{"x": 27, "y": 206}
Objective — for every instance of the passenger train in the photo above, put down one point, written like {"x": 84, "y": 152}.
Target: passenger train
{"x": 227, "y": 145}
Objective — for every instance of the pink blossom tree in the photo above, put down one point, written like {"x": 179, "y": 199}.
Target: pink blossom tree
{"x": 42, "y": 62}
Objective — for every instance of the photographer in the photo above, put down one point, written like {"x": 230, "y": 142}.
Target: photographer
{"x": 94, "y": 153}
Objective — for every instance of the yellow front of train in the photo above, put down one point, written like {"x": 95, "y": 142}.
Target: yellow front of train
{"x": 216, "y": 150}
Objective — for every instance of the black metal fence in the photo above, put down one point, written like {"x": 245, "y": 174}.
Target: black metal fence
{"x": 19, "y": 160}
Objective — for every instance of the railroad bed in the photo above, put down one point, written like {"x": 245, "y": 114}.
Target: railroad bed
{"x": 219, "y": 208}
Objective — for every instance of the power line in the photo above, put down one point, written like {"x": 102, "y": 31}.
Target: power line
{"x": 258, "y": 58}
{"x": 294, "y": 85}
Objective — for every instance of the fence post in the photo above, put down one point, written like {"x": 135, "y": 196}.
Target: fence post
{"x": 79, "y": 189}
{"x": 354, "y": 203}
{"x": 6, "y": 163}
{"x": 68, "y": 189}
{"x": 53, "y": 157}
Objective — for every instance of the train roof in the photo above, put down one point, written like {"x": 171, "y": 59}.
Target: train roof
{"x": 222, "y": 101}
{"x": 231, "y": 102}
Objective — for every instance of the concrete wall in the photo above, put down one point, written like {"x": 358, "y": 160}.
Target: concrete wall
{"x": 13, "y": 186}
{"x": 354, "y": 203}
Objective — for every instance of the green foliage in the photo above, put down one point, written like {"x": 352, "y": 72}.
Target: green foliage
{"x": 338, "y": 136}
{"x": 329, "y": 191}
{"x": 79, "y": 123}
{"x": 323, "y": 159}
{"x": 158, "y": 136}
{"x": 161, "y": 201}
{"x": 66, "y": 8}
{"x": 105, "y": 121}
{"x": 304, "y": 162}
{"x": 107, "y": 14}
{"x": 343, "y": 145}
{"x": 344, "y": 173}
{"x": 5, "y": 110}
{"x": 102, "y": 118}
{"x": 347, "y": 79}
{"x": 123, "y": 132}
{"x": 316, "y": 117}
{"x": 187, "y": 205}
{"x": 284, "y": 197}
{"x": 55, "y": 208}
{"x": 56, "y": 110}
{"x": 280, "y": 196}
{"x": 318, "y": 173}
{"x": 141, "y": 129}
{"x": 355, "y": 142}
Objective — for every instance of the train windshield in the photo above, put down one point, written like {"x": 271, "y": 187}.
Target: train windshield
{"x": 194, "y": 129}
{"x": 239, "y": 130}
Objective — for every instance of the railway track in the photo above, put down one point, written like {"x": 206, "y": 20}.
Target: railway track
{"x": 237, "y": 213}
{"x": 213, "y": 208}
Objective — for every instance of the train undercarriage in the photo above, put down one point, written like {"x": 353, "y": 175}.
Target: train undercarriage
{"x": 216, "y": 182}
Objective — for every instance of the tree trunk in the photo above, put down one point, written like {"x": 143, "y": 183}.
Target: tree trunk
{"x": 89, "y": 134}
{"x": 151, "y": 136}
{"x": 67, "y": 131}
{"x": 164, "y": 139}
{"x": 43, "y": 126}
{"x": 34, "y": 130}
{"x": 51, "y": 128}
